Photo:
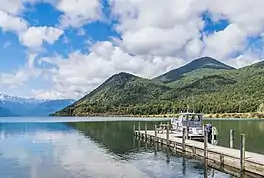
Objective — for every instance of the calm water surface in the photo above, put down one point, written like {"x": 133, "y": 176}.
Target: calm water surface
{"x": 48, "y": 147}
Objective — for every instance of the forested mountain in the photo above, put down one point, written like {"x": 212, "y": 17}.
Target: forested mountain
{"x": 201, "y": 63}
{"x": 211, "y": 87}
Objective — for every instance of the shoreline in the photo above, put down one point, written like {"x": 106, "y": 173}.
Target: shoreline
{"x": 252, "y": 115}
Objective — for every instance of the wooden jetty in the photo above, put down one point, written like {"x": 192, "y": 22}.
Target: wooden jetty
{"x": 236, "y": 162}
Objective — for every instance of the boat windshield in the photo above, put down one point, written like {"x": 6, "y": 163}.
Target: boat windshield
{"x": 185, "y": 117}
{"x": 191, "y": 117}
{"x": 196, "y": 118}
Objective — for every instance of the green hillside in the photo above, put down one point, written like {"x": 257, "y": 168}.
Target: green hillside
{"x": 208, "y": 63}
{"x": 208, "y": 90}
{"x": 234, "y": 91}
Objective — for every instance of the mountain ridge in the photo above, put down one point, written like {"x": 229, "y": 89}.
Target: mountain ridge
{"x": 17, "y": 106}
{"x": 4, "y": 97}
{"x": 200, "y": 63}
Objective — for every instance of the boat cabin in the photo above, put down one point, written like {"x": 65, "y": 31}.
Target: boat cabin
{"x": 187, "y": 119}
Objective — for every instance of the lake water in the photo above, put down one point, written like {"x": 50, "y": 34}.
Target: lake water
{"x": 77, "y": 148}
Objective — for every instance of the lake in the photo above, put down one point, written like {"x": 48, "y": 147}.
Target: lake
{"x": 93, "y": 147}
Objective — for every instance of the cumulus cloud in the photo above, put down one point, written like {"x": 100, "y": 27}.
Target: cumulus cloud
{"x": 81, "y": 73}
{"x": 19, "y": 77}
{"x": 14, "y": 6}
{"x": 246, "y": 58}
{"x": 22, "y": 75}
{"x": 12, "y": 23}
{"x": 79, "y": 12}
{"x": 164, "y": 32}
{"x": 223, "y": 43}
{"x": 246, "y": 14}
{"x": 194, "y": 48}
{"x": 34, "y": 37}
{"x": 175, "y": 28}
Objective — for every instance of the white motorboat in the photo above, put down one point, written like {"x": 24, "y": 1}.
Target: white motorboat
{"x": 194, "y": 126}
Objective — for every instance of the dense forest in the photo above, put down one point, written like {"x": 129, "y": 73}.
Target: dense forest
{"x": 205, "y": 85}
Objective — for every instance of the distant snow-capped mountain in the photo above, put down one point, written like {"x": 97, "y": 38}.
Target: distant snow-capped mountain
{"x": 30, "y": 107}
{"x": 8, "y": 98}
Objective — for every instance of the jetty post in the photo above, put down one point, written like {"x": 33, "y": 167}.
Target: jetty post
{"x": 231, "y": 138}
{"x": 205, "y": 144}
{"x": 213, "y": 136}
{"x": 187, "y": 131}
{"x": 146, "y": 128}
{"x": 242, "y": 152}
{"x": 168, "y": 134}
{"x": 155, "y": 134}
{"x": 183, "y": 139}
{"x": 139, "y": 130}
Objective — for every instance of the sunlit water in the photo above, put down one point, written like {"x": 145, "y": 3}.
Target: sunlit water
{"x": 32, "y": 148}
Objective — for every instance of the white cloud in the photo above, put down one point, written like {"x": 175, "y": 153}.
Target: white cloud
{"x": 34, "y": 37}
{"x": 22, "y": 75}
{"x": 194, "y": 48}
{"x": 246, "y": 14}
{"x": 245, "y": 59}
{"x": 164, "y": 32}
{"x": 81, "y": 73}
{"x": 19, "y": 77}
{"x": 79, "y": 12}
{"x": 223, "y": 43}
{"x": 160, "y": 41}
{"x": 175, "y": 27}
{"x": 12, "y": 23}
{"x": 14, "y": 6}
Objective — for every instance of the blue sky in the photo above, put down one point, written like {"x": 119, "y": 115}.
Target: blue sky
{"x": 66, "y": 48}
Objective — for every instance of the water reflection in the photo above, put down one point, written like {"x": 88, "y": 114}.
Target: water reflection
{"x": 254, "y": 130}
{"x": 144, "y": 156}
{"x": 75, "y": 150}
{"x": 183, "y": 165}
{"x": 41, "y": 150}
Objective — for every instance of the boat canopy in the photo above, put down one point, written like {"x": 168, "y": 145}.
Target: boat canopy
{"x": 189, "y": 119}
{"x": 191, "y": 116}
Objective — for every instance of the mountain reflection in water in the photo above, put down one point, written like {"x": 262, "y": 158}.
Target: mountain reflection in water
{"x": 86, "y": 149}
